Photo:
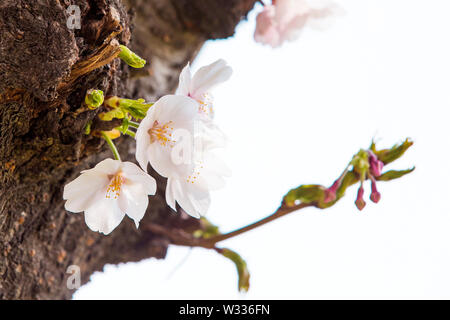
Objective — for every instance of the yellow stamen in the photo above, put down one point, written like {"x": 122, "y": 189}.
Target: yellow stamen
{"x": 162, "y": 134}
{"x": 115, "y": 186}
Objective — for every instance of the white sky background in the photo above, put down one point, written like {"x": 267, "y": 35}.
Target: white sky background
{"x": 295, "y": 116}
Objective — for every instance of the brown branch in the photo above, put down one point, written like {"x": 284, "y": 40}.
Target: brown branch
{"x": 282, "y": 211}
{"x": 182, "y": 238}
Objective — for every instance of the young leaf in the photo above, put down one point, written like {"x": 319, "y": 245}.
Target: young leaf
{"x": 241, "y": 266}
{"x": 394, "y": 174}
{"x": 389, "y": 155}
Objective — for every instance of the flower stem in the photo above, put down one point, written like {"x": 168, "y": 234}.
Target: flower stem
{"x": 111, "y": 145}
{"x": 130, "y": 133}
{"x": 133, "y": 124}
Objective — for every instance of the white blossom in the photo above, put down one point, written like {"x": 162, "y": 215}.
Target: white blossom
{"x": 164, "y": 137}
{"x": 109, "y": 191}
{"x": 167, "y": 139}
{"x": 198, "y": 87}
{"x": 284, "y": 20}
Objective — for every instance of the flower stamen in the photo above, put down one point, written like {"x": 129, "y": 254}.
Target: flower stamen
{"x": 206, "y": 105}
{"x": 162, "y": 134}
{"x": 195, "y": 173}
{"x": 115, "y": 186}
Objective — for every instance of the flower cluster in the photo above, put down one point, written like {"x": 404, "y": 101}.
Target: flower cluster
{"x": 283, "y": 20}
{"x": 366, "y": 164}
{"x": 177, "y": 137}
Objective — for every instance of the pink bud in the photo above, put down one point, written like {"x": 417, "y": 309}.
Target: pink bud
{"x": 360, "y": 203}
{"x": 376, "y": 166}
{"x": 375, "y": 195}
{"x": 330, "y": 193}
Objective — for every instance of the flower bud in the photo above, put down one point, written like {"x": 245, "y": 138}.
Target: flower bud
{"x": 131, "y": 58}
{"x": 375, "y": 195}
{"x": 330, "y": 193}
{"x": 94, "y": 99}
{"x": 376, "y": 166}
{"x": 360, "y": 203}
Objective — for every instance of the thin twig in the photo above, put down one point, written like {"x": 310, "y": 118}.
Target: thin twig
{"x": 282, "y": 211}
{"x": 182, "y": 238}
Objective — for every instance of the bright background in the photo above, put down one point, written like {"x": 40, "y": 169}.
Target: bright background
{"x": 296, "y": 115}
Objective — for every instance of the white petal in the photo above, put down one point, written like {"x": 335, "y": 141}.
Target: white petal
{"x": 194, "y": 201}
{"x": 170, "y": 197}
{"x": 143, "y": 139}
{"x": 134, "y": 175}
{"x": 160, "y": 159}
{"x": 134, "y": 202}
{"x": 104, "y": 216}
{"x": 80, "y": 193}
{"x": 185, "y": 203}
{"x": 185, "y": 81}
{"x": 105, "y": 167}
{"x": 209, "y": 76}
{"x": 178, "y": 109}
{"x": 209, "y": 135}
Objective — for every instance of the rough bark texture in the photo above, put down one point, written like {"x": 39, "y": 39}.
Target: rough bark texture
{"x": 45, "y": 71}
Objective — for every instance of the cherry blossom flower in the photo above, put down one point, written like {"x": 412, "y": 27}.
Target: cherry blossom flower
{"x": 167, "y": 139}
{"x": 108, "y": 192}
{"x": 192, "y": 190}
{"x": 168, "y": 123}
{"x": 198, "y": 87}
{"x": 284, "y": 20}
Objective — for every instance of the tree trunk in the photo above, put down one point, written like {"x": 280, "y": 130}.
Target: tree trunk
{"x": 45, "y": 70}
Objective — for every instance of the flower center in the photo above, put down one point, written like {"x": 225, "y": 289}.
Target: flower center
{"x": 161, "y": 133}
{"x": 206, "y": 105}
{"x": 113, "y": 190}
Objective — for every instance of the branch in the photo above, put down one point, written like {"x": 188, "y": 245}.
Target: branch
{"x": 182, "y": 238}
{"x": 366, "y": 165}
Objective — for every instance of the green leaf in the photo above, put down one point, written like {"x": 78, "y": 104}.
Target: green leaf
{"x": 390, "y": 155}
{"x": 136, "y": 108}
{"x": 394, "y": 174}
{"x": 305, "y": 193}
{"x": 131, "y": 58}
{"x": 241, "y": 267}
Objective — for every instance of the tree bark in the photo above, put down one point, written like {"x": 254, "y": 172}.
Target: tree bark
{"x": 45, "y": 70}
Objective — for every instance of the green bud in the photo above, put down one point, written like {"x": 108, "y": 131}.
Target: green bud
{"x": 87, "y": 129}
{"x": 241, "y": 266}
{"x": 360, "y": 163}
{"x": 305, "y": 194}
{"x": 94, "y": 99}
{"x": 131, "y": 58}
{"x": 208, "y": 230}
